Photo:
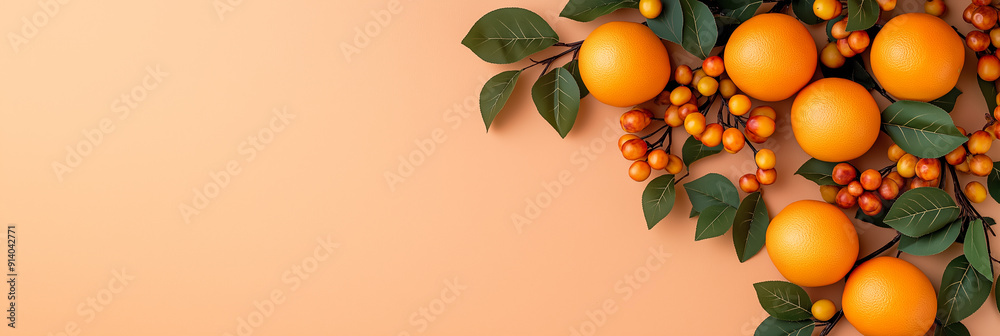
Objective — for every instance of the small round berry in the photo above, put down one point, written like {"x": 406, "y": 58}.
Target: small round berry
{"x": 870, "y": 179}
{"x": 977, "y": 40}
{"x": 844, "y": 173}
{"x": 657, "y": 159}
{"x": 707, "y": 86}
{"x": 727, "y": 88}
{"x": 694, "y": 123}
{"x": 845, "y": 48}
{"x": 934, "y": 7}
{"x": 831, "y": 57}
{"x": 907, "y": 165}
{"x": 639, "y": 171}
{"x": 624, "y": 138}
{"x": 845, "y": 200}
{"x": 713, "y": 66}
{"x": 995, "y": 36}
{"x": 733, "y": 140}
{"x": 839, "y": 30}
{"x": 917, "y": 182}
{"x": 739, "y": 104}
{"x": 829, "y": 193}
{"x": 983, "y": 18}
{"x": 956, "y": 156}
{"x": 673, "y": 116}
{"x": 755, "y": 138}
{"x": 967, "y": 13}
{"x": 767, "y": 176}
{"x": 928, "y": 169}
{"x": 988, "y": 68}
{"x": 895, "y": 177}
{"x": 826, "y": 9}
{"x": 749, "y": 183}
{"x": 980, "y": 165}
{"x": 712, "y": 135}
{"x": 683, "y": 75}
{"x": 975, "y": 191}
{"x": 687, "y": 109}
{"x": 650, "y": 9}
{"x": 869, "y": 202}
{"x": 886, "y": 5}
{"x": 823, "y": 310}
{"x": 698, "y": 75}
{"x": 889, "y": 189}
{"x": 858, "y": 41}
{"x": 635, "y": 120}
{"x": 761, "y": 125}
{"x": 964, "y": 166}
{"x": 895, "y": 152}
{"x": 980, "y": 142}
{"x": 680, "y": 95}
{"x": 674, "y": 164}
{"x": 765, "y": 159}
{"x": 855, "y": 189}
{"x": 764, "y": 110}
{"x": 634, "y": 149}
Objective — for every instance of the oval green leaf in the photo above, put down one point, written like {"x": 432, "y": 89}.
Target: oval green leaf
{"x": 588, "y": 10}
{"x": 963, "y": 291}
{"x": 931, "y": 244}
{"x": 693, "y": 150}
{"x": 852, "y": 70}
{"x": 817, "y": 171}
{"x": 711, "y": 189}
{"x": 921, "y": 129}
{"x": 658, "y": 199}
{"x": 947, "y": 102}
{"x": 784, "y": 300}
{"x": 508, "y": 35}
{"x": 670, "y": 24}
{"x": 862, "y": 14}
{"x": 574, "y": 68}
{"x": 993, "y": 182}
{"x": 954, "y": 329}
{"x": 700, "y": 32}
{"x": 714, "y": 221}
{"x": 803, "y": 10}
{"x": 989, "y": 90}
{"x": 495, "y": 94}
{"x": 921, "y": 211}
{"x": 746, "y": 11}
{"x": 976, "y": 249}
{"x": 775, "y": 327}
{"x": 750, "y": 226}
{"x": 557, "y": 98}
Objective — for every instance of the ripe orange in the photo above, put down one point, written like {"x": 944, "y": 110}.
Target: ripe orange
{"x": 812, "y": 243}
{"x": 624, "y": 64}
{"x": 771, "y": 56}
{"x": 888, "y": 296}
{"x": 835, "y": 120}
{"x": 917, "y": 56}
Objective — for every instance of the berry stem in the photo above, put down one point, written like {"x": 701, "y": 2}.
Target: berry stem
{"x": 574, "y": 47}
{"x": 833, "y": 322}
{"x": 654, "y": 132}
{"x": 881, "y": 250}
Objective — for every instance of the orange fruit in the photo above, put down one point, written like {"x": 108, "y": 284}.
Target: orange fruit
{"x": 835, "y": 120}
{"x": 771, "y": 56}
{"x": 888, "y": 296}
{"x": 917, "y": 56}
{"x": 812, "y": 243}
{"x": 624, "y": 64}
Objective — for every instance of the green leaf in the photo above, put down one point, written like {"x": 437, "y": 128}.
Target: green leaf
{"x": 989, "y": 90}
{"x": 746, "y": 11}
{"x": 670, "y": 24}
{"x": 993, "y": 182}
{"x": 588, "y": 10}
{"x": 997, "y": 297}
{"x": 700, "y": 32}
{"x": 817, "y": 171}
{"x": 862, "y": 14}
{"x": 775, "y": 327}
{"x": 557, "y": 98}
{"x": 711, "y": 189}
{"x": 508, "y": 35}
{"x": 726, "y": 26}
{"x": 920, "y": 211}
{"x": 921, "y": 129}
{"x": 495, "y": 94}
{"x": 931, "y": 244}
{"x": 693, "y": 150}
{"x": 853, "y": 70}
{"x": 829, "y": 28}
{"x": 658, "y": 199}
{"x": 963, "y": 291}
{"x": 954, "y": 329}
{"x": 749, "y": 226}
{"x": 733, "y": 4}
{"x": 784, "y": 300}
{"x": 947, "y": 102}
{"x": 803, "y": 10}
{"x": 574, "y": 68}
{"x": 714, "y": 221}
{"x": 976, "y": 249}
{"x": 877, "y": 220}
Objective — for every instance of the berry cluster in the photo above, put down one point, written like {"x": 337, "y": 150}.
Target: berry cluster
{"x": 848, "y": 44}
{"x": 866, "y": 190}
{"x": 684, "y": 110}
{"x": 982, "y": 15}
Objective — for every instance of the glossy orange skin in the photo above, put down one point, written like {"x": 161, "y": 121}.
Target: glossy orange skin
{"x": 771, "y": 56}
{"x": 835, "y": 120}
{"x": 917, "y": 48}
{"x": 812, "y": 243}
{"x": 624, "y": 64}
{"x": 889, "y": 297}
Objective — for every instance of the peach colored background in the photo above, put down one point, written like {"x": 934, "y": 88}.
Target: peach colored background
{"x": 398, "y": 250}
